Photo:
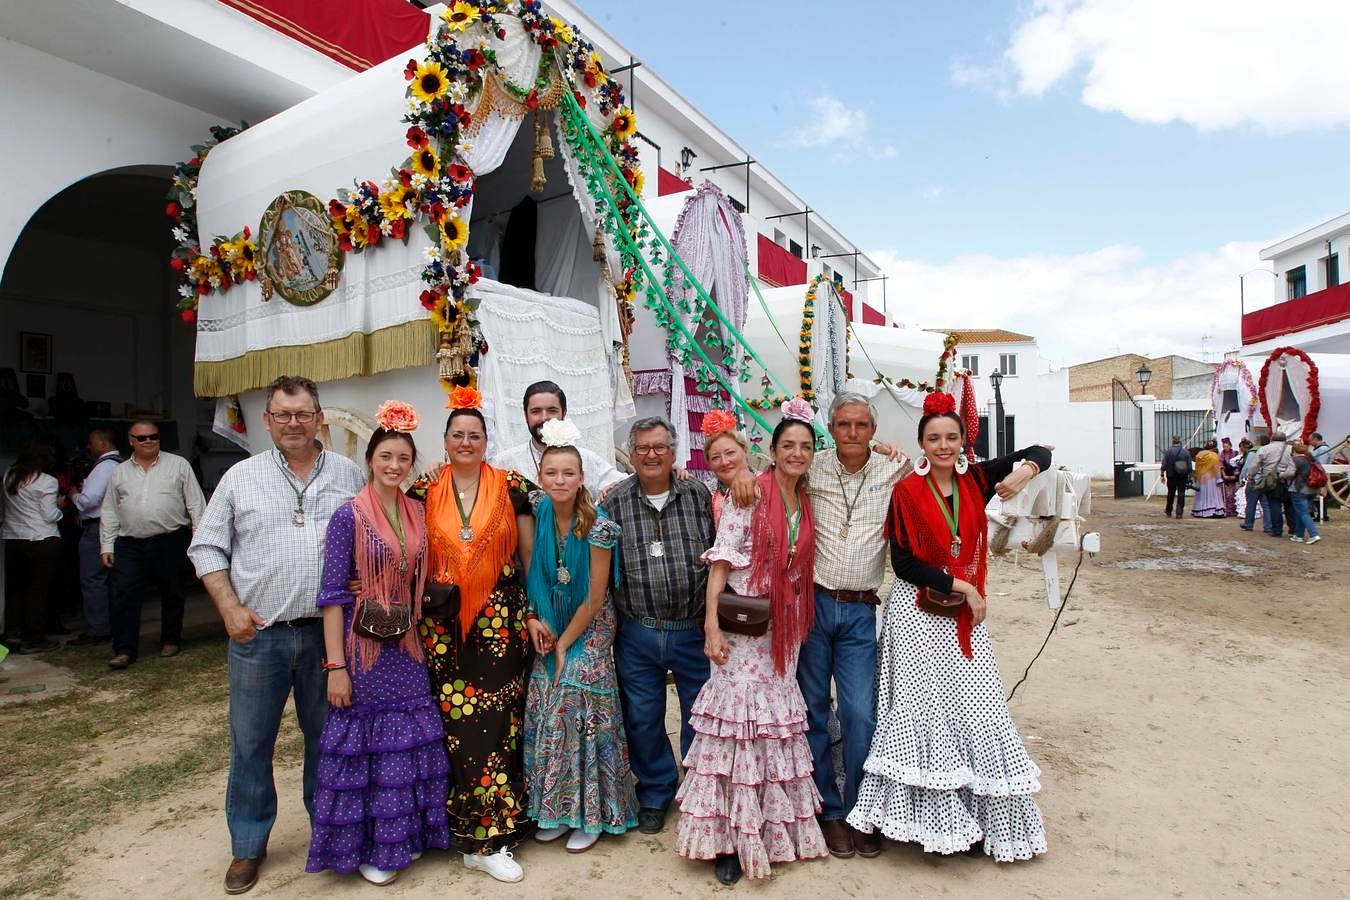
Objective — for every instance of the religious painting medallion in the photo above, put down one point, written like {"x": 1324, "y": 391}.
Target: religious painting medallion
{"x": 299, "y": 253}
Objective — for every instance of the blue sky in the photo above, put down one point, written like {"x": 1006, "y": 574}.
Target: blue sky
{"x": 1094, "y": 172}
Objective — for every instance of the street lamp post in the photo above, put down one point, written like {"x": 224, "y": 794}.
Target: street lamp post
{"x": 1143, "y": 374}
{"x": 996, "y": 379}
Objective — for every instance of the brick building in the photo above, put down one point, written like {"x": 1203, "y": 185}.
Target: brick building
{"x": 1174, "y": 377}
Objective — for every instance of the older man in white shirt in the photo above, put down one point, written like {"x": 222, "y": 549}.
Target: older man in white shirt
{"x": 544, "y": 400}
{"x": 149, "y": 512}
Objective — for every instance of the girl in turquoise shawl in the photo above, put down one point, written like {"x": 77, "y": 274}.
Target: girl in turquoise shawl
{"x": 576, "y": 755}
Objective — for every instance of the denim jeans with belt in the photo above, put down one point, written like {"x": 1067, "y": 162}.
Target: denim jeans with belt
{"x": 1301, "y": 523}
{"x": 95, "y": 586}
{"x": 842, "y": 646}
{"x": 642, "y": 657}
{"x": 263, "y": 672}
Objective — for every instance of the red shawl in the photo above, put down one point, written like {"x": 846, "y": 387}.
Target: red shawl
{"x": 792, "y": 598}
{"x": 916, "y": 511}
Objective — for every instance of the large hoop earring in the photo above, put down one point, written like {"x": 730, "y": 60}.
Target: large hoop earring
{"x": 962, "y": 464}
{"x": 922, "y": 466}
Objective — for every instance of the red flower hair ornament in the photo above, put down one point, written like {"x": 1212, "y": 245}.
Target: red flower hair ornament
{"x": 395, "y": 415}
{"x": 717, "y": 421}
{"x": 939, "y": 403}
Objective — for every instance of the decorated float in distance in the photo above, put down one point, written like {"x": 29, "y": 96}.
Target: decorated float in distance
{"x": 1234, "y": 404}
{"x": 1298, "y": 397}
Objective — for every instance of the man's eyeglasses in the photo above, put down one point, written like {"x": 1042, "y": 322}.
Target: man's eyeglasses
{"x": 651, "y": 449}
{"x": 142, "y": 438}
{"x": 284, "y": 418}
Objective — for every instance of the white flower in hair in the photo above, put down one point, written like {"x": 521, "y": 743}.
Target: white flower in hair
{"x": 560, "y": 433}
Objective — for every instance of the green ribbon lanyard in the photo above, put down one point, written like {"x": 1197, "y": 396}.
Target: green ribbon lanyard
{"x": 794, "y": 523}
{"x": 465, "y": 532}
{"x": 952, "y": 515}
{"x": 396, "y": 523}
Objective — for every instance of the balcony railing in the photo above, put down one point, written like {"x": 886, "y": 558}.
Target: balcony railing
{"x": 1323, "y": 307}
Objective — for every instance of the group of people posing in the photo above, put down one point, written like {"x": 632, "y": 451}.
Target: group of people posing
{"x": 485, "y": 655}
{"x": 1285, "y": 480}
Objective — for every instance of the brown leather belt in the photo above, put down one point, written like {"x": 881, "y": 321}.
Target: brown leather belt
{"x": 870, "y": 598}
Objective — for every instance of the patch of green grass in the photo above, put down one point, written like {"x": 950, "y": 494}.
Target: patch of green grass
{"x": 46, "y": 744}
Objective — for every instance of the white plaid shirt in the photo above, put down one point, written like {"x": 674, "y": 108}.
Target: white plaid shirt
{"x": 275, "y": 566}
{"x": 856, "y": 562}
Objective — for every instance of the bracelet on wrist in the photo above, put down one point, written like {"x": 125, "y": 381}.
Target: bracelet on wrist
{"x": 531, "y": 616}
{"x": 334, "y": 666}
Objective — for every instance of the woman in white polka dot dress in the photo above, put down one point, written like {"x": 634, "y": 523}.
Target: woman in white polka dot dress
{"x": 947, "y": 768}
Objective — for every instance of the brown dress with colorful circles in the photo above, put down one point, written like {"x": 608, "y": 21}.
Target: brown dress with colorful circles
{"x": 479, "y": 683}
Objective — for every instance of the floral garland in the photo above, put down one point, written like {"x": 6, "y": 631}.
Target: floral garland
{"x": 1315, "y": 396}
{"x": 769, "y": 400}
{"x": 1245, "y": 376}
{"x": 229, "y": 261}
{"x": 940, "y": 381}
{"x": 432, "y": 183}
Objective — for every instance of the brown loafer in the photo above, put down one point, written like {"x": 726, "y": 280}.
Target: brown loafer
{"x": 168, "y": 650}
{"x": 837, "y": 837}
{"x": 867, "y": 845}
{"x": 242, "y": 874}
{"x": 120, "y": 661}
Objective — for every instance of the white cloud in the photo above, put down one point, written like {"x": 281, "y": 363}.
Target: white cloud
{"x": 1210, "y": 63}
{"x": 1084, "y": 306}
{"x": 833, "y": 124}
{"x": 934, "y": 192}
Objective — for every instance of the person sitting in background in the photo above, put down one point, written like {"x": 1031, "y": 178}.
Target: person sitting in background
{"x": 32, "y": 545}
{"x": 146, "y": 523}
{"x": 1301, "y": 526}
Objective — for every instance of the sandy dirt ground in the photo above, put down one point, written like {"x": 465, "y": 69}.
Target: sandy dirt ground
{"x": 1189, "y": 716}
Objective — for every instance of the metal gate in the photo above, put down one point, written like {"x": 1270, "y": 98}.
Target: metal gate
{"x": 1127, "y": 421}
{"x": 1193, "y": 426}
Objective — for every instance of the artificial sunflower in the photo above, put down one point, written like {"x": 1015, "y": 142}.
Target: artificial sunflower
{"x": 430, "y": 82}
{"x": 424, "y": 161}
{"x": 461, "y": 15}
{"x": 454, "y": 233}
{"x": 394, "y": 202}
{"x": 624, "y": 124}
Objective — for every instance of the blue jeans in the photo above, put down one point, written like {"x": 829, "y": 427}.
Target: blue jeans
{"x": 1272, "y": 514}
{"x": 1249, "y": 517}
{"x": 642, "y": 657}
{"x": 1302, "y": 522}
{"x": 94, "y": 585}
{"x": 262, "y": 674}
{"x": 843, "y": 646}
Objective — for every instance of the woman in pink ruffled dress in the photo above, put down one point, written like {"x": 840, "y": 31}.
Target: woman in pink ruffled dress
{"x": 748, "y": 799}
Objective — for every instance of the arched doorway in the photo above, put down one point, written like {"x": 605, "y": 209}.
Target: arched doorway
{"x": 87, "y": 295}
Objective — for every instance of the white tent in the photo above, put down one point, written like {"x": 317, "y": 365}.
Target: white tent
{"x": 1291, "y": 380}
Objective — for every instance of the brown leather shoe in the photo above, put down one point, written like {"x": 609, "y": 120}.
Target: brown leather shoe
{"x": 867, "y": 845}
{"x": 242, "y": 874}
{"x": 837, "y": 837}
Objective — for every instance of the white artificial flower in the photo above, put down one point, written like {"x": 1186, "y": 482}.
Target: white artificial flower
{"x": 560, "y": 433}
{"x": 180, "y": 234}
{"x": 386, "y": 227}
{"x": 186, "y": 290}
{"x": 463, "y": 149}
{"x": 431, "y": 253}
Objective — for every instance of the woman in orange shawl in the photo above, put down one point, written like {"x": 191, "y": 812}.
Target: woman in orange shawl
{"x": 1208, "y": 489}
{"x": 479, "y": 536}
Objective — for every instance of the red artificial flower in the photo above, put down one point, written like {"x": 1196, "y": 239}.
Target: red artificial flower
{"x": 463, "y": 200}
{"x": 410, "y": 70}
{"x": 417, "y": 138}
{"x": 474, "y": 59}
{"x": 459, "y": 172}
{"x": 203, "y": 287}
{"x": 436, "y": 211}
{"x": 581, "y": 101}
{"x": 373, "y": 237}
{"x": 589, "y": 78}
{"x": 247, "y": 233}
{"x": 177, "y": 264}
{"x": 532, "y": 100}
{"x": 398, "y": 229}
{"x": 188, "y": 315}
{"x": 172, "y": 210}
{"x": 429, "y": 299}
{"x": 345, "y": 241}
{"x": 405, "y": 177}
{"x": 251, "y": 275}
{"x": 336, "y": 209}
{"x": 501, "y": 34}
{"x": 215, "y": 250}
{"x": 461, "y": 114}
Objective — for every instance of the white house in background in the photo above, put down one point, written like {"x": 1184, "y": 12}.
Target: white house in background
{"x": 1036, "y": 405}
{"x": 1307, "y": 301}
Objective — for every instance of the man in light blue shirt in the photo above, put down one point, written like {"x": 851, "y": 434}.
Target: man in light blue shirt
{"x": 88, "y": 502}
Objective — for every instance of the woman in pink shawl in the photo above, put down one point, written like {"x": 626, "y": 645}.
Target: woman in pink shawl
{"x": 748, "y": 799}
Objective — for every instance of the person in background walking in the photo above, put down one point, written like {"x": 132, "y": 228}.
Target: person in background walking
{"x": 1320, "y": 452}
{"x": 1301, "y": 526}
{"x": 259, "y": 551}
{"x": 32, "y": 545}
{"x": 148, "y": 514}
{"x": 1176, "y": 473}
{"x": 88, "y": 502}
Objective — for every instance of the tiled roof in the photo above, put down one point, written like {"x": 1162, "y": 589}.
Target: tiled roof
{"x": 986, "y": 335}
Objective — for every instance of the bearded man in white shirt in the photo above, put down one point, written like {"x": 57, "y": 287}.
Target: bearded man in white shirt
{"x": 149, "y": 511}
{"x": 544, "y": 400}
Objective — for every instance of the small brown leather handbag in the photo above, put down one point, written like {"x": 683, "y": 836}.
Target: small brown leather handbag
{"x": 940, "y": 604}
{"x": 381, "y": 624}
{"x": 743, "y": 615}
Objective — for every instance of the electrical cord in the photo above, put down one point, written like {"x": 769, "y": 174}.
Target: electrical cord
{"x": 1064, "y": 604}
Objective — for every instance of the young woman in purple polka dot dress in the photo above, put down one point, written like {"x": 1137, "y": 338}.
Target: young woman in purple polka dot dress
{"x": 383, "y": 770}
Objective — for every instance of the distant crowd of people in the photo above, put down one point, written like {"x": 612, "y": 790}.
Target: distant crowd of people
{"x": 1281, "y": 481}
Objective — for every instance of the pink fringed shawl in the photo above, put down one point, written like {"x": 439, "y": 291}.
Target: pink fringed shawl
{"x": 377, "y": 556}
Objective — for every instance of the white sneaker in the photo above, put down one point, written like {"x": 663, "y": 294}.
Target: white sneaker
{"x": 581, "y": 841}
{"x": 1314, "y": 539}
{"x": 376, "y": 876}
{"x": 1296, "y": 539}
{"x": 546, "y": 835}
{"x": 500, "y": 865}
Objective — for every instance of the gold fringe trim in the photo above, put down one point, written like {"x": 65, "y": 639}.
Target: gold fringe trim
{"x": 396, "y": 347}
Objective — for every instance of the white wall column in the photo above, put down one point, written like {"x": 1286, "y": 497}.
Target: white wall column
{"x": 1148, "y": 433}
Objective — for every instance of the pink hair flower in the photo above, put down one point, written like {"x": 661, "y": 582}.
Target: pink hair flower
{"x": 395, "y": 415}
{"x": 797, "y": 408}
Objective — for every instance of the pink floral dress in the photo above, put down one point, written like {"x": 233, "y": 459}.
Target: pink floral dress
{"x": 747, "y": 788}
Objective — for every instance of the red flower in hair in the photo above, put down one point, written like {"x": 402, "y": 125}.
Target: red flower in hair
{"x": 939, "y": 403}
{"x": 717, "y": 421}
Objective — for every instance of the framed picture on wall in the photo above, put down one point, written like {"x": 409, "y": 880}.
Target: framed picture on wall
{"x": 35, "y": 352}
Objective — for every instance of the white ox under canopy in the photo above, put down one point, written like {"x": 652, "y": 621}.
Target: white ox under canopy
{"x": 373, "y": 322}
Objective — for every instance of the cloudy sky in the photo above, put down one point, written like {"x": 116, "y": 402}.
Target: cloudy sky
{"x": 1093, "y": 172}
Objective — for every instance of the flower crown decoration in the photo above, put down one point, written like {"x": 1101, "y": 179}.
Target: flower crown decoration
{"x": 465, "y": 398}
{"x": 939, "y": 403}
{"x": 559, "y": 433}
{"x": 797, "y": 408}
{"x": 395, "y": 415}
{"x": 717, "y": 421}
